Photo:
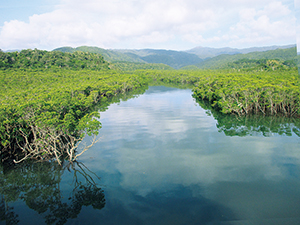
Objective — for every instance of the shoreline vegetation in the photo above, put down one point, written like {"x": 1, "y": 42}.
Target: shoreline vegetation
{"x": 50, "y": 100}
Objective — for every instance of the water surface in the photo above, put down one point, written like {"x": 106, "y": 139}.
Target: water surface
{"x": 163, "y": 160}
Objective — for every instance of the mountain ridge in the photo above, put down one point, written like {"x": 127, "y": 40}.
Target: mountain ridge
{"x": 202, "y": 57}
{"x": 205, "y": 52}
{"x": 221, "y": 61}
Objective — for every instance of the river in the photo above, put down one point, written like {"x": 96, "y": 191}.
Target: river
{"x": 163, "y": 159}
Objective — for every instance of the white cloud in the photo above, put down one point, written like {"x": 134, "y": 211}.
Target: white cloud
{"x": 154, "y": 37}
{"x": 274, "y": 22}
{"x": 132, "y": 23}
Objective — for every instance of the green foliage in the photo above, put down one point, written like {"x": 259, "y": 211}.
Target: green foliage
{"x": 131, "y": 66}
{"x": 222, "y": 61}
{"x": 234, "y": 125}
{"x": 108, "y": 55}
{"x": 242, "y": 93}
{"x": 38, "y": 59}
{"x": 247, "y": 93}
{"x": 130, "y": 60}
{"x": 190, "y": 67}
{"x": 206, "y": 52}
{"x": 174, "y": 59}
{"x": 262, "y": 65}
{"x": 43, "y": 111}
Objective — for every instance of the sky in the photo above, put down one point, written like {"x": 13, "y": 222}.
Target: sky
{"x": 138, "y": 24}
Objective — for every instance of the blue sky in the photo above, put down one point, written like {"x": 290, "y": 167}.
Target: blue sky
{"x": 166, "y": 24}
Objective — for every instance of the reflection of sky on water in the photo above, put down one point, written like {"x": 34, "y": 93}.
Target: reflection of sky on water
{"x": 162, "y": 145}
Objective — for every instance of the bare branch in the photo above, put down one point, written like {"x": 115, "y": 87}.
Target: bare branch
{"x": 87, "y": 147}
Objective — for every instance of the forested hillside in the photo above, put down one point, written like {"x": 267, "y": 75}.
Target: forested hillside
{"x": 174, "y": 59}
{"x": 124, "y": 62}
{"x": 108, "y": 55}
{"x": 262, "y": 64}
{"x": 206, "y": 52}
{"x": 184, "y": 59}
{"x": 224, "y": 61}
{"x": 38, "y": 59}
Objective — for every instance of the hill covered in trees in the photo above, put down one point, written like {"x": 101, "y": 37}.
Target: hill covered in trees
{"x": 206, "y": 52}
{"x": 108, "y": 55}
{"x": 131, "y": 60}
{"x": 191, "y": 59}
{"x": 39, "y": 59}
{"x": 288, "y": 56}
{"x": 174, "y": 59}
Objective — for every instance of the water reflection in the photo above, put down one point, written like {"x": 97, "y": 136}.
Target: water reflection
{"x": 233, "y": 125}
{"x": 38, "y": 186}
{"x": 164, "y": 160}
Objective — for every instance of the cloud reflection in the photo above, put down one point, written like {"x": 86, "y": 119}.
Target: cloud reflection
{"x": 160, "y": 138}
{"x": 160, "y": 141}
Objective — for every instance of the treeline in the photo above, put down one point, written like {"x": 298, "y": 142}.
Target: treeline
{"x": 241, "y": 93}
{"x": 225, "y": 61}
{"x": 108, "y": 55}
{"x": 267, "y": 93}
{"x": 253, "y": 124}
{"x": 132, "y": 66}
{"x": 203, "y": 58}
{"x": 38, "y": 59}
{"x": 263, "y": 64}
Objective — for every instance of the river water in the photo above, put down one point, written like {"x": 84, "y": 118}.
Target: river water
{"x": 163, "y": 159}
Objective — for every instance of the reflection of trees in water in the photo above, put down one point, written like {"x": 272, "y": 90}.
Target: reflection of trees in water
{"x": 6, "y": 213}
{"x": 38, "y": 185}
{"x": 233, "y": 125}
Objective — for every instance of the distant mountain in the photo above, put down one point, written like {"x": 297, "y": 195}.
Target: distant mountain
{"x": 201, "y": 57}
{"x": 205, "y": 52}
{"x": 198, "y": 57}
{"x": 108, "y": 55}
{"x": 175, "y": 59}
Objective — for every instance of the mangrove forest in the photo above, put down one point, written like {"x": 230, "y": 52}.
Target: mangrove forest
{"x": 50, "y": 100}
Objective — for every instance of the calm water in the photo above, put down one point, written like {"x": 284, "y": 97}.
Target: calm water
{"x": 162, "y": 159}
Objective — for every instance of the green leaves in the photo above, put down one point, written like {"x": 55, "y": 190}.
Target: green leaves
{"x": 90, "y": 123}
{"x": 38, "y": 59}
{"x": 247, "y": 93}
{"x": 41, "y": 111}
